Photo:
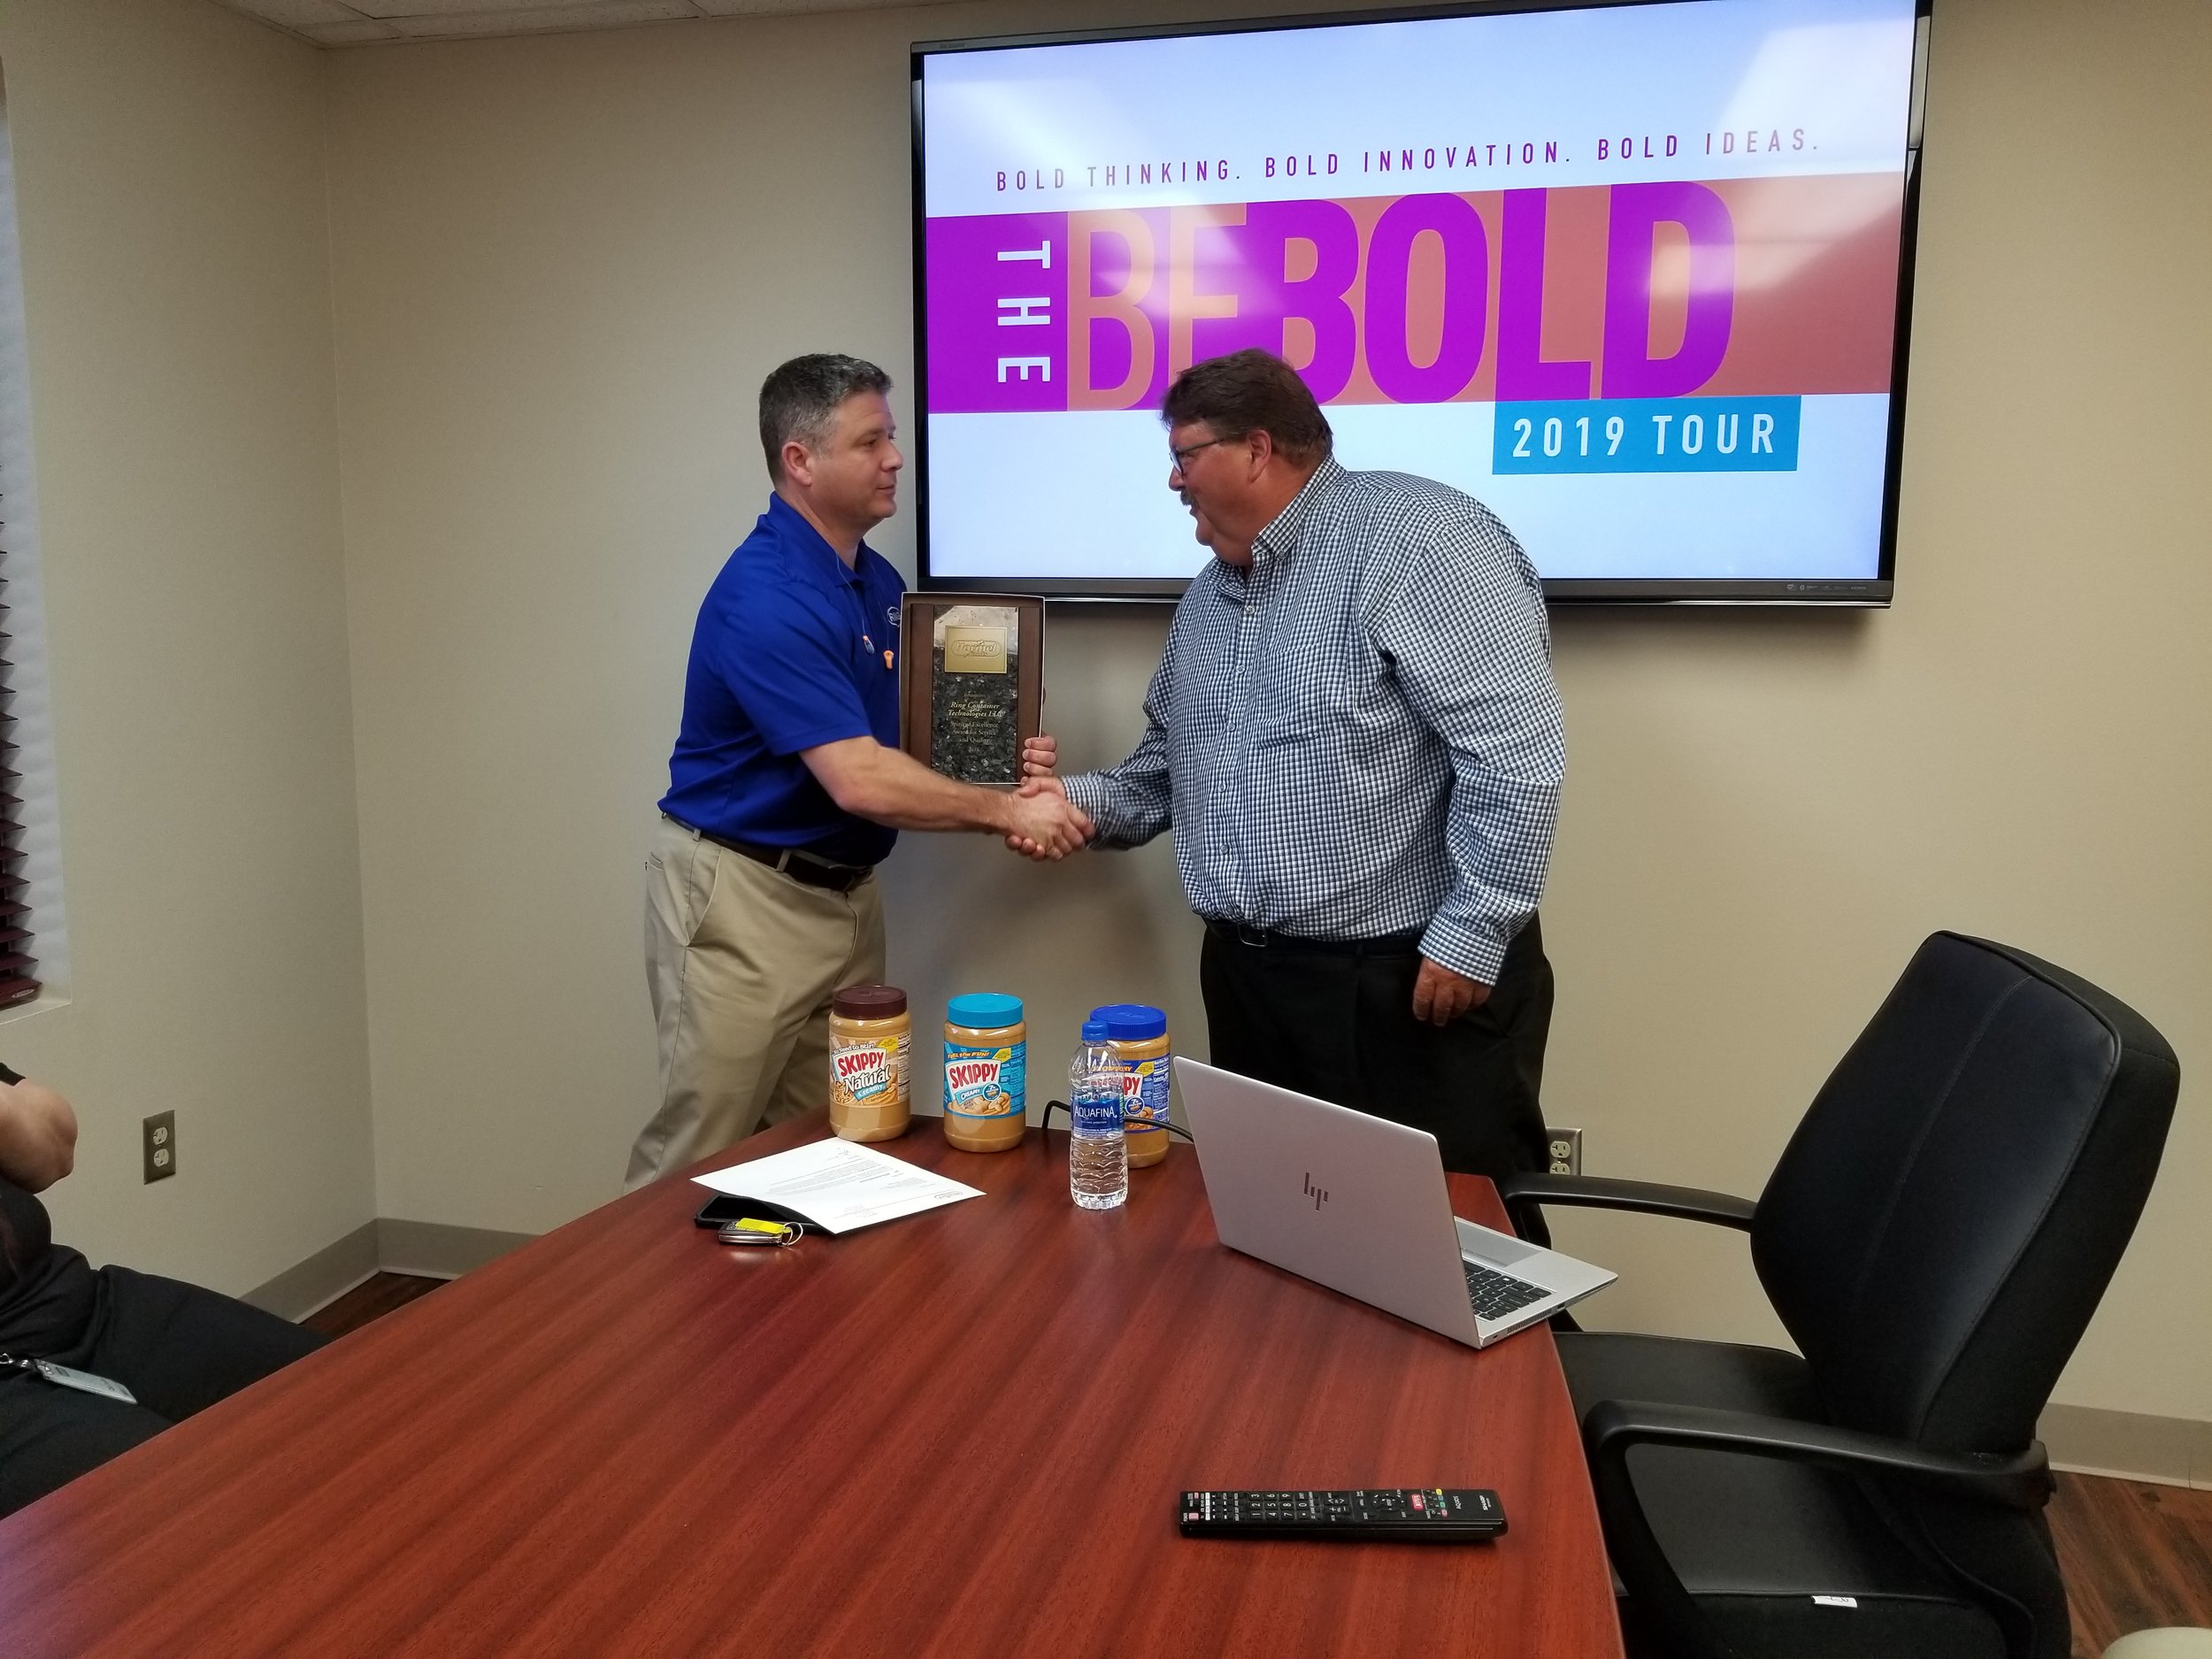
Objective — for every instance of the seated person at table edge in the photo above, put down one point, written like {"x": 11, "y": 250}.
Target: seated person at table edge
{"x": 177, "y": 1347}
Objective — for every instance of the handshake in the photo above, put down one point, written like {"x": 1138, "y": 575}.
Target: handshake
{"x": 1041, "y": 822}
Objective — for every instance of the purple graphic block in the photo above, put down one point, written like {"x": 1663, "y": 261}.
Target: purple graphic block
{"x": 1258, "y": 260}
{"x": 1523, "y": 372}
{"x": 998, "y": 312}
{"x": 1638, "y": 210}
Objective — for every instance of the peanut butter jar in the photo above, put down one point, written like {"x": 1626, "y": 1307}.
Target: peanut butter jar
{"x": 1136, "y": 1035}
{"x": 871, "y": 1032}
{"x": 986, "y": 1067}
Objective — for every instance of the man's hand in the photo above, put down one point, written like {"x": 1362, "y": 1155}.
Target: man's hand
{"x": 1441, "y": 996}
{"x": 1041, "y": 803}
{"x": 1041, "y": 754}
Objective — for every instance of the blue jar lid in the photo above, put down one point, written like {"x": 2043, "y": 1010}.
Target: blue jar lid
{"x": 986, "y": 1010}
{"x": 1132, "y": 1022}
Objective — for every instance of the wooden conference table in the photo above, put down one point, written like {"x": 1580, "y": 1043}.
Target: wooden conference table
{"x": 959, "y": 1434}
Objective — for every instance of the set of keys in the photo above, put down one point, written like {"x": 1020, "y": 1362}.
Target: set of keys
{"x": 745, "y": 1230}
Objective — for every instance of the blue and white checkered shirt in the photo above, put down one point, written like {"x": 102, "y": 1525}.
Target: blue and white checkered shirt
{"x": 1358, "y": 735}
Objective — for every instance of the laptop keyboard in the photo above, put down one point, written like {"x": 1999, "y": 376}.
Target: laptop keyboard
{"x": 1496, "y": 1295}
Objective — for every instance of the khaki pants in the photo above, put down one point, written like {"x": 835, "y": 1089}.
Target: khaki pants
{"x": 741, "y": 962}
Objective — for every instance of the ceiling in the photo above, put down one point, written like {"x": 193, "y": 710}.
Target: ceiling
{"x": 366, "y": 22}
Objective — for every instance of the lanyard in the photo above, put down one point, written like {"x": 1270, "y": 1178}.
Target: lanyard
{"x": 63, "y": 1375}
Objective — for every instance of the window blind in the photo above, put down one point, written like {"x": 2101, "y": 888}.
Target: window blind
{"x": 19, "y": 976}
{"x": 30, "y": 871}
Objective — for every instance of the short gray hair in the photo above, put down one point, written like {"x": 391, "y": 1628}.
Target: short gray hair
{"x": 799, "y": 400}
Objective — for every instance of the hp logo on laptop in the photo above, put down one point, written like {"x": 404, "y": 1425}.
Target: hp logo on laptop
{"x": 1319, "y": 1194}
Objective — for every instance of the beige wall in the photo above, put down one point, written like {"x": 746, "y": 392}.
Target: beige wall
{"x": 171, "y": 204}
{"x": 564, "y": 263}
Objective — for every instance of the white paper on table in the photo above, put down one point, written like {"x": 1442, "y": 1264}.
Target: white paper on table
{"x": 838, "y": 1185}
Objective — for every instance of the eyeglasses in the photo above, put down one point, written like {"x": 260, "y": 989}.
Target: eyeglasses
{"x": 1180, "y": 458}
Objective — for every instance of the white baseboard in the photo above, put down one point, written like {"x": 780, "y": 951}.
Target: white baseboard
{"x": 435, "y": 1250}
{"x": 321, "y": 1279}
{"x": 428, "y": 1249}
{"x": 2131, "y": 1445}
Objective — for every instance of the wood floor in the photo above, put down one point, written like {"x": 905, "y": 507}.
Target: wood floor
{"x": 2135, "y": 1556}
{"x": 373, "y": 1299}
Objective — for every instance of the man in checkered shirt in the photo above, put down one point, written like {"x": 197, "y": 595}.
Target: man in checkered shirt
{"x": 1355, "y": 733}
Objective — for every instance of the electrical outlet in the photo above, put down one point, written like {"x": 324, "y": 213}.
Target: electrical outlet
{"x": 160, "y": 1133}
{"x": 1566, "y": 1146}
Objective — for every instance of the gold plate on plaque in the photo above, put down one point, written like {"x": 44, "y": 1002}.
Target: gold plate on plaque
{"x": 971, "y": 682}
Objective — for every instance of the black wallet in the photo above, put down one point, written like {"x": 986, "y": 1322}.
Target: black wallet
{"x": 727, "y": 1207}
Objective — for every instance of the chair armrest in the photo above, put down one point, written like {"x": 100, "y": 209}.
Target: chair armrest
{"x": 1687, "y": 1203}
{"x": 2021, "y": 1481}
{"x": 1612, "y": 1427}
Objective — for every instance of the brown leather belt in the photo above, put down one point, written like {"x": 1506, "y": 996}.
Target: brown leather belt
{"x": 790, "y": 861}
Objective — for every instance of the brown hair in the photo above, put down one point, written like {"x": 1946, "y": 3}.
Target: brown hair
{"x": 1251, "y": 391}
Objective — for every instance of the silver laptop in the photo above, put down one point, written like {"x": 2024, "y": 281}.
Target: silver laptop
{"x": 1359, "y": 1204}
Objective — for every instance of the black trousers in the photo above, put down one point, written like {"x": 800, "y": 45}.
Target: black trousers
{"x": 1339, "y": 1025}
{"x": 178, "y": 1347}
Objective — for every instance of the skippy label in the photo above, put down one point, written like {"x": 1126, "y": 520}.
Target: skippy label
{"x": 987, "y": 1082}
{"x": 863, "y": 1071}
{"x": 1144, "y": 1095}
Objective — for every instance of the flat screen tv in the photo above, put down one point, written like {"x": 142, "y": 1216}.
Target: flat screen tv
{"x": 1637, "y": 275}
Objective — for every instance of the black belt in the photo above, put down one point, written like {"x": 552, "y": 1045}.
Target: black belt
{"x": 800, "y": 866}
{"x": 1260, "y": 938}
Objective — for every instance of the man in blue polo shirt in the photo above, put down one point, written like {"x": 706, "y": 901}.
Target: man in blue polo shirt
{"x": 787, "y": 785}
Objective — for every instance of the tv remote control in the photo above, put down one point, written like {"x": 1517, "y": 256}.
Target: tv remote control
{"x": 1440, "y": 1515}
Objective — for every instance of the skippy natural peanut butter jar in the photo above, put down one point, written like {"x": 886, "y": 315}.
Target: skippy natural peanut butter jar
{"x": 987, "y": 1065}
{"x": 869, "y": 1035}
{"x": 1136, "y": 1035}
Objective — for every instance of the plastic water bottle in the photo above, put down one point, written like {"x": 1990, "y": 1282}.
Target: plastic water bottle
{"x": 1098, "y": 1155}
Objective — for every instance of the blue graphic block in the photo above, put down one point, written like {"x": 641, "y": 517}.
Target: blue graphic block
{"x": 1647, "y": 434}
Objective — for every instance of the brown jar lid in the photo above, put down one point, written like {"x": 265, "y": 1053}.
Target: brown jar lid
{"x": 868, "y": 1001}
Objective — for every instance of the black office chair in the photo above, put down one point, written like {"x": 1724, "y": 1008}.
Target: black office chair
{"x": 1935, "y": 1238}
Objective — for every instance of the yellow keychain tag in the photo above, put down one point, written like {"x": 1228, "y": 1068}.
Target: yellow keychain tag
{"x": 745, "y": 1230}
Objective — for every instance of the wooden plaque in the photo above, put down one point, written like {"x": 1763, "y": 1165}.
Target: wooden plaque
{"x": 970, "y": 682}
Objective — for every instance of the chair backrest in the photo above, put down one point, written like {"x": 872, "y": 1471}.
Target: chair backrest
{"x": 1941, "y": 1227}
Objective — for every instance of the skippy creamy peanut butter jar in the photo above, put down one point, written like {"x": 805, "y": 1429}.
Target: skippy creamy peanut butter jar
{"x": 1136, "y": 1036}
{"x": 987, "y": 1065}
{"x": 871, "y": 1032}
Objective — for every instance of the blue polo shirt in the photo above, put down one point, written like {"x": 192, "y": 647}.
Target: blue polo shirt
{"x": 791, "y": 650}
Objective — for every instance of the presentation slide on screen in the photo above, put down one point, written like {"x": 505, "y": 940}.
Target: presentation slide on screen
{"x": 1628, "y": 275}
